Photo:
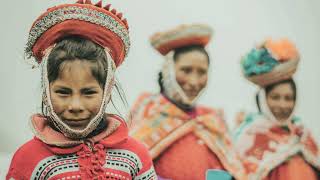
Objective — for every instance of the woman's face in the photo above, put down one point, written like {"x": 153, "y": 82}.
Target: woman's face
{"x": 192, "y": 72}
{"x": 76, "y": 95}
{"x": 281, "y": 101}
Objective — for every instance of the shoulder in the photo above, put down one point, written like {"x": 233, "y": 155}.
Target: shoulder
{"x": 216, "y": 113}
{"x": 147, "y": 97}
{"x": 248, "y": 120}
{"x": 120, "y": 140}
{"x": 144, "y": 95}
{"x": 142, "y": 99}
{"x": 144, "y": 106}
{"x": 147, "y": 171}
{"x": 137, "y": 148}
{"x": 135, "y": 152}
{"x": 141, "y": 103}
{"x": 26, "y": 158}
{"x": 27, "y": 150}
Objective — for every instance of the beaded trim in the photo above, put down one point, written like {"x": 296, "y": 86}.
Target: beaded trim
{"x": 78, "y": 13}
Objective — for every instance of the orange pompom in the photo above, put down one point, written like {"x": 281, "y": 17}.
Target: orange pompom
{"x": 282, "y": 50}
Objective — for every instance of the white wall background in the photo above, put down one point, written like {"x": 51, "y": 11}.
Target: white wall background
{"x": 238, "y": 26}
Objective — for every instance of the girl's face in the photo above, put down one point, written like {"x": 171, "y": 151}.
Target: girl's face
{"x": 76, "y": 95}
{"x": 281, "y": 101}
{"x": 192, "y": 72}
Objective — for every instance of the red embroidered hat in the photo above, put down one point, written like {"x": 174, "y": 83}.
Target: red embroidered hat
{"x": 99, "y": 24}
{"x": 183, "y": 35}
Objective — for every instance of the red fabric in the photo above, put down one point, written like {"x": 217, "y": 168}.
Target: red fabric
{"x": 167, "y": 47}
{"x": 186, "y": 159}
{"x": 27, "y": 158}
{"x": 91, "y": 162}
{"x": 294, "y": 169}
{"x": 93, "y": 32}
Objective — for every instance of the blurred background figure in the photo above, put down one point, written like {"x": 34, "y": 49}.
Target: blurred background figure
{"x": 184, "y": 139}
{"x": 273, "y": 143}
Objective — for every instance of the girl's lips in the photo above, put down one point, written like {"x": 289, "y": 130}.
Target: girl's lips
{"x": 76, "y": 122}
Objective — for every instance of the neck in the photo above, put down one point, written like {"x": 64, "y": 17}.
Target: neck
{"x": 184, "y": 107}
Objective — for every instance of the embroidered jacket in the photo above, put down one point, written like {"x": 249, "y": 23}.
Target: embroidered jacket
{"x": 112, "y": 154}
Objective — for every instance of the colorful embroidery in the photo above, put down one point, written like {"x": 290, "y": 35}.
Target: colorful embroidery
{"x": 264, "y": 145}
{"x": 162, "y": 123}
{"x": 125, "y": 162}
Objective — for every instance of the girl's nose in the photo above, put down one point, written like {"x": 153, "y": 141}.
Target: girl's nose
{"x": 75, "y": 106}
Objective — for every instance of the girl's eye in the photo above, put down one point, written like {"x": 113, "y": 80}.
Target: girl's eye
{"x": 275, "y": 97}
{"x": 63, "y": 92}
{"x": 186, "y": 70}
{"x": 89, "y": 92}
{"x": 289, "y": 98}
{"x": 202, "y": 72}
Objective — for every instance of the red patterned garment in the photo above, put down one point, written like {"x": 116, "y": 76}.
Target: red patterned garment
{"x": 272, "y": 151}
{"x": 184, "y": 145}
{"x": 111, "y": 154}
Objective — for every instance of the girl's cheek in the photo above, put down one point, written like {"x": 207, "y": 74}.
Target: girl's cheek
{"x": 94, "y": 104}
{"x": 59, "y": 104}
{"x": 203, "y": 82}
{"x": 181, "y": 79}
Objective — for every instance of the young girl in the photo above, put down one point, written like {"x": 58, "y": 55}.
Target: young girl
{"x": 185, "y": 140}
{"x": 79, "y": 47}
{"x": 273, "y": 144}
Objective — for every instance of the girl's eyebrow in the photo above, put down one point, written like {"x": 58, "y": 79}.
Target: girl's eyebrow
{"x": 62, "y": 87}
{"x": 89, "y": 88}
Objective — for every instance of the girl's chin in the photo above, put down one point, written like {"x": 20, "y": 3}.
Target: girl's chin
{"x": 77, "y": 127}
{"x": 192, "y": 98}
{"x": 282, "y": 119}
